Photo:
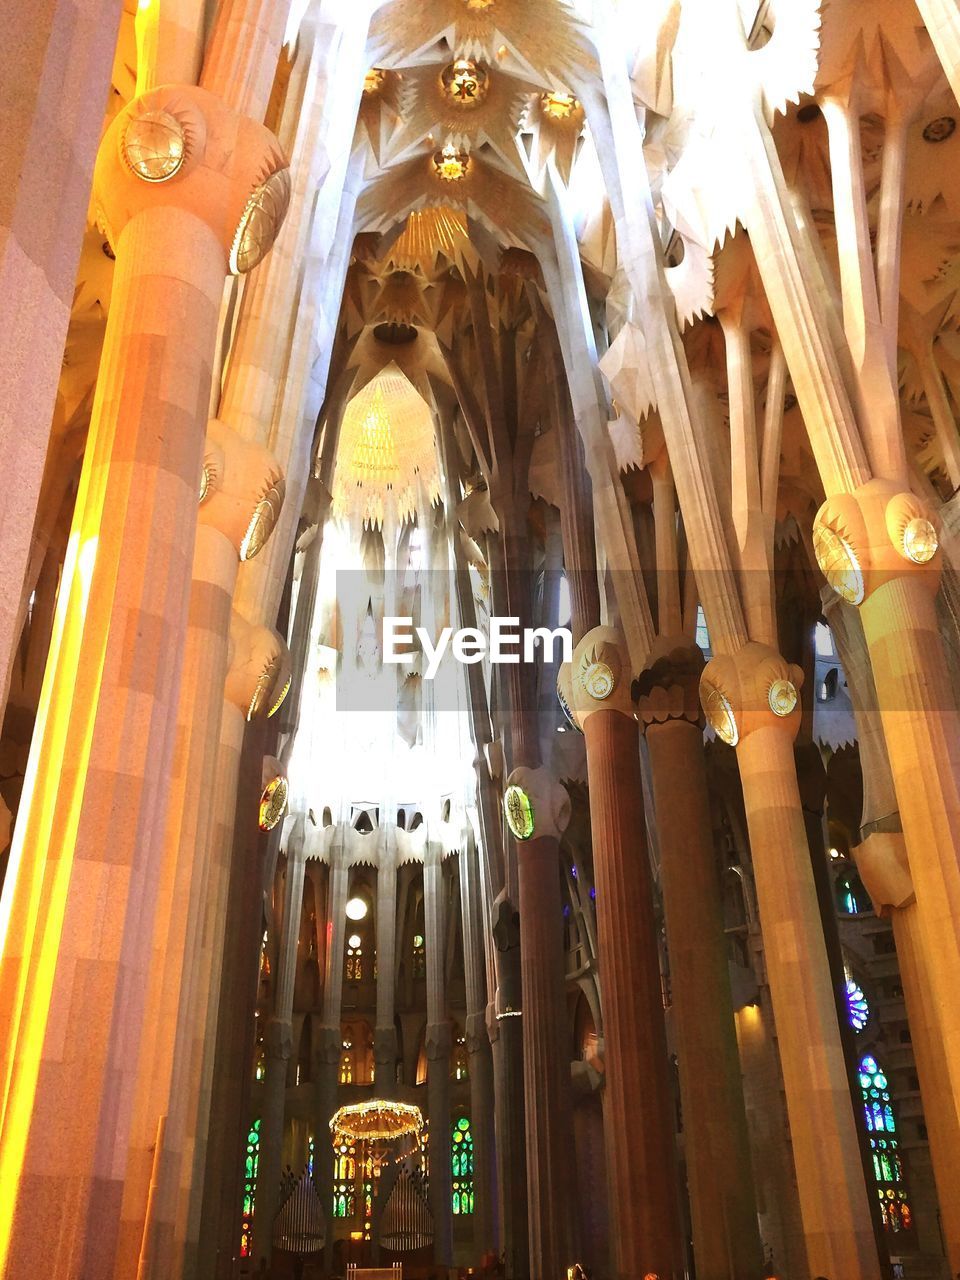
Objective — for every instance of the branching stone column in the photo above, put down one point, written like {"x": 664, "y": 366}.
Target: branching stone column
{"x": 726, "y": 1241}
{"x": 881, "y": 859}
{"x": 638, "y": 1123}
{"x": 279, "y": 1046}
{"x": 879, "y": 548}
{"x": 438, "y": 1044}
{"x": 185, "y": 188}
{"x": 752, "y": 702}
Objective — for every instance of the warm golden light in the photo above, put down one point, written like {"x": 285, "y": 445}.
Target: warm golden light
{"x": 838, "y": 563}
{"x": 154, "y": 146}
{"x": 451, "y": 164}
{"x": 466, "y": 82}
{"x": 373, "y": 80}
{"x": 273, "y": 803}
{"x": 782, "y": 697}
{"x": 920, "y": 541}
{"x": 719, "y": 712}
{"x": 260, "y": 222}
{"x": 560, "y": 106}
{"x": 262, "y": 522}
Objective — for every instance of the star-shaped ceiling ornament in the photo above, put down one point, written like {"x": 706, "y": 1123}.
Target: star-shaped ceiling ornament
{"x": 557, "y": 121}
{"x": 461, "y": 104}
{"x": 543, "y": 35}
{"x": 470, "y": 184}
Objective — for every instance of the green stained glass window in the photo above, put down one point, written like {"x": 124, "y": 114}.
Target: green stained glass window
{"x": 884, "y": 1146}
{"x": 461, "y": 1167}
{"x": 251, "y": 1165}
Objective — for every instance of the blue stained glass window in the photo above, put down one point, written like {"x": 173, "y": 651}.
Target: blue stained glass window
{"x": 858, "y": 1010}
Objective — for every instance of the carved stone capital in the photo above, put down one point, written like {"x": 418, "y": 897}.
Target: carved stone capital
{"x": 278, "y": 1039}
{"x": 182, "y": 147}
{"x": 438, "y": 1041}
{"x": 752, "y": 689}
{"x": 882, "y": 862}
{"x": 668, "y": 688}
{"x": 865, "y": 539}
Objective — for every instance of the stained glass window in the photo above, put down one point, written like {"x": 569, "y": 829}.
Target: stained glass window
{"x": 344, "y": 1181}
{"x": 858, "y": 1010}
{"x": 354, "y": 958}
{"x": 884, "y": 1146}
{"x": 419, "y": 956}
{"x": 251, "y": 1166}
{"x": 461, "y": 1162}
{"x": 852, "y": 897}
{"x": 461, "y": 1062}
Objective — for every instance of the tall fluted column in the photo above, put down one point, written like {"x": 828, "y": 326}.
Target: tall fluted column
{"x": 279, "y": 1045}
{"x": 638, "y": 1124}
{"x": 752, "y": 702}
{"x": 505, "y": 1029}
{"x": 889, "y": 564}
{"x": 331, "y": 1038}
{"x": 726, "y": 1241}
{"x": 478, "y": 1050}
{"x": 252, "y": 686}
{"x": 385, "y": 1032}
{"x": 236, "y": 476}
{"x": 106, "y": 723}
{"x": 438, "y": 1045}
{"x": 54, "y": 80}
{"x": 546, "y": 1067}
{"x": 881, "y": 859}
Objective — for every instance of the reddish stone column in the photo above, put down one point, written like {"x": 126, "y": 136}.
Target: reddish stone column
{"x": 726, "y": 1239}
{"x": 638, "y": 1121}
{"x": 538, "y": 809}
{"x": 79, "y": 899}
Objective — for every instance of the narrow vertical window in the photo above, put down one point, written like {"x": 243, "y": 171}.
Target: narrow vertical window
{"x": 461, "y": 1163}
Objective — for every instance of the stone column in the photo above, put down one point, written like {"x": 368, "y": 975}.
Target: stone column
{"x": 505, "y": 1029}
{"x": 254, "y": 674}
{"x": 279, "y": 1047}
{"x": 385, "y": 1033}
{"x": 726, "y": 1241}
{"x": 237, "y": 476}
{"x": 55, "y": 69}
{"x": 546, "y": 1062}
{"x": 330, "y": 1040}
{"x": 879, "y": 548}
{"x": 438, "y": 1045}
{"x": 881, "y": 859}
{"x": 752, "y": 702}
{"x": 105, "y": 728}
{"x": 478, "y": 1050}
{"x": 638, "y": 1123}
